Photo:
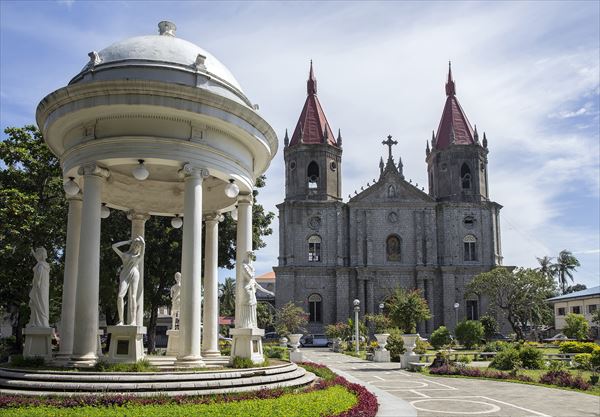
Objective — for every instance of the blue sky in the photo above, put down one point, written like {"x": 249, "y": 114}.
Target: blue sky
{"x": 527, "y": 73}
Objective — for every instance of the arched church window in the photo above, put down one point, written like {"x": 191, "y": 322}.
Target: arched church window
{"x": 314, "y": 248}
{"x": 465, "y": 175}
{"x": 312, "y": 173}
{"x": 393, "y": 248}
{"x": 315, "y": 308}
{"x": 391, "y": 191}
{"x": 470, "y": 248}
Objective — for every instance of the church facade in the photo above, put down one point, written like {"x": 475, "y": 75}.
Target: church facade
{"x": 391, "y": 234}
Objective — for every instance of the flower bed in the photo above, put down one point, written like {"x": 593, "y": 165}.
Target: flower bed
{"x": 558, "y": 378}
{"x": 331, "y": 396}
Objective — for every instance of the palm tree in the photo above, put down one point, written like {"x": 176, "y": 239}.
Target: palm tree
{"x": 227, "y": 297}
{"x": 547, "y": 268}
{"x": 565, "y": 264}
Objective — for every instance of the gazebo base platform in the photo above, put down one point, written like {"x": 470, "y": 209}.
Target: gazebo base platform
{"x": 60, "y": 383}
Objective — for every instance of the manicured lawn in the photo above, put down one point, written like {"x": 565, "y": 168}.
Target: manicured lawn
{"x": 328, "y": 402}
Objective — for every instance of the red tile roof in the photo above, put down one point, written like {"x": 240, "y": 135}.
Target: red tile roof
{"x": 266, "y": 276}
{"x": 312, "y": 126}
{"x": 454, "y": 127}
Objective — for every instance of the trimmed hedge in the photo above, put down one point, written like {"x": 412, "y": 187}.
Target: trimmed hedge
{"x": 578, "y": 347}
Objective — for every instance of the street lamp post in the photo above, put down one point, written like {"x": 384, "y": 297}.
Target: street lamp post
{"x": 381, "y": 306}
{"x": 356, "y": 310}
{"x": 456, "y": 305}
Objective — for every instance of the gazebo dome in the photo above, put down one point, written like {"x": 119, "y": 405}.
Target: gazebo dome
{"x": 162, "y": 57}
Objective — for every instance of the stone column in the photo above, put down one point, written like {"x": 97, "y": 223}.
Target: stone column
{"x": 88, "y": 268}
{"x": 191, "y": 264}
{"x": 67, "y": 316}
{"x": 210, "y": 334}
{"x": 243, "y": 245}
{"x": 138, "y": 227}
{"x": 360, "y": 293}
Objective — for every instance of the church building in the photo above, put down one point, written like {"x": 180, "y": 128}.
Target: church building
{"x": 391, "y": 234}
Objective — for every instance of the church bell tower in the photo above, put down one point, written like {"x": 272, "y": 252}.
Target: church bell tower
{"x": 313, "y": 156}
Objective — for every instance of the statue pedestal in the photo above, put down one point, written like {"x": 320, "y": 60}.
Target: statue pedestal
{"x": 247, "y": 343}
{"x": 173, "y": 342}
{"x": 126, "y": 344}
{"x": 38, "y": 342}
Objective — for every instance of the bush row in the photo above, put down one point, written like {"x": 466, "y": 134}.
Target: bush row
{"x": 578, "y": 347}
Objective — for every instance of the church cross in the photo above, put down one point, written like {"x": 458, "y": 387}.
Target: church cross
{"x": 389, "y": 142}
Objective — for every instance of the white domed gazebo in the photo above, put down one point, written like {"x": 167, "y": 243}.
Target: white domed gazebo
{"x": 155, "y": 126}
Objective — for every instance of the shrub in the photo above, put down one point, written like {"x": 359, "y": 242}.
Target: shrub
{"x": 577, "y": 327}
{"x": 564, "y": 379}
{"x": 143, "y": 365}
{"x": 583, "y": 361}
{"x": 531, "y": 357}
{"x": 506, "y": 359}
{"x": 556, "y": 365}
{"x": 578, "y": 347}
{"x": 477, "y": 373}
{"x": 341, "y": 330}
{"x": 464, "y": 359}
{"x": 440, "y": 337}
{"x": 469, "y": 333}
{"x": 321, "y": 371}
{"x": 22, "y": 362}
{"x": 490, "y": 326}
{"x": 395, "y": 345}
{"x": 595, "y": 359}
{"x": 240, "y": 363}
{"x": 421, "y": 346}
{"x": 274, "y": 351}
{"x": 381, "y": 323}
{"x": 496, "y": 346}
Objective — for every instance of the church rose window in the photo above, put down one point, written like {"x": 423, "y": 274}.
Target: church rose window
{"x": 314, "y": 249}
{"x": 392, "y": 248}
{"x": 465, "y": 175}
{"x": 315, "y": 303}
{"x": 313, "y": 174}
{"x": 470, "y": 248}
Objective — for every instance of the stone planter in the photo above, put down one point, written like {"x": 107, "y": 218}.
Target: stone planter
{"x": 295, "y": 341}
{"x": 337, "y": 345}
{"x": 283, "y": 342}
{"x": 382, "y": 340}
{"x": 410, "y": 341}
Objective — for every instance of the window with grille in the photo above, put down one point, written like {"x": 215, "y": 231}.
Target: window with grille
{"x": 314, "y": 249}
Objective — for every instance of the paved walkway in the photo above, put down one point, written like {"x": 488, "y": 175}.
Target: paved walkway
{"x": 436, "y": 396}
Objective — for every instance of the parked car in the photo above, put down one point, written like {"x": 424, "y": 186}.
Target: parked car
{"x": 314, "y": 340}
{"x": 500, "y": 337}
{"x": 271, "y": 337}
{"x": 560, "y": 337}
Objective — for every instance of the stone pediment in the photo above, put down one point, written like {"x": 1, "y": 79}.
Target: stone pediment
{"x": 391, "y": 187}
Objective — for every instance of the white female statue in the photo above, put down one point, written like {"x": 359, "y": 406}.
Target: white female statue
{"x": 39, "y": 294}
{"x": 248, "y": 302}
{"x": 129, "y": 277}
{"x": 176, "y": 299}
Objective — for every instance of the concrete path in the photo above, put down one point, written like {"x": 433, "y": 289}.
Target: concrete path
{"x": 436, "y": 396}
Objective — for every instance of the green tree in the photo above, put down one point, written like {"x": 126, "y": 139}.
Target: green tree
{"x": 520, "y": 294}
{"x": 379, "y": 322}
{"x": 490, "y": 326}
{"x": 577, "y": 327}
{"x": 407, "y": 308}
{"x": 546, "y": 267}
{"x": 227, "y": 298}
{"x": 265, "y": 314}
{"x": 596, "y": 317}
{"x": 565, "y": 265}
{"x": 290, "y": 319}
{"x": 469, "y": 333}
{"x": 574, "y": 288}
{"x": 32, "y": 213}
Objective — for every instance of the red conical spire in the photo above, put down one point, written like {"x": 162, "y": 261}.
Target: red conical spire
{"x": 311, "y": 84}
{"x": 312, "y": 126}
{"x": 454, "y": 127}
{"x": 450, "y": 87}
